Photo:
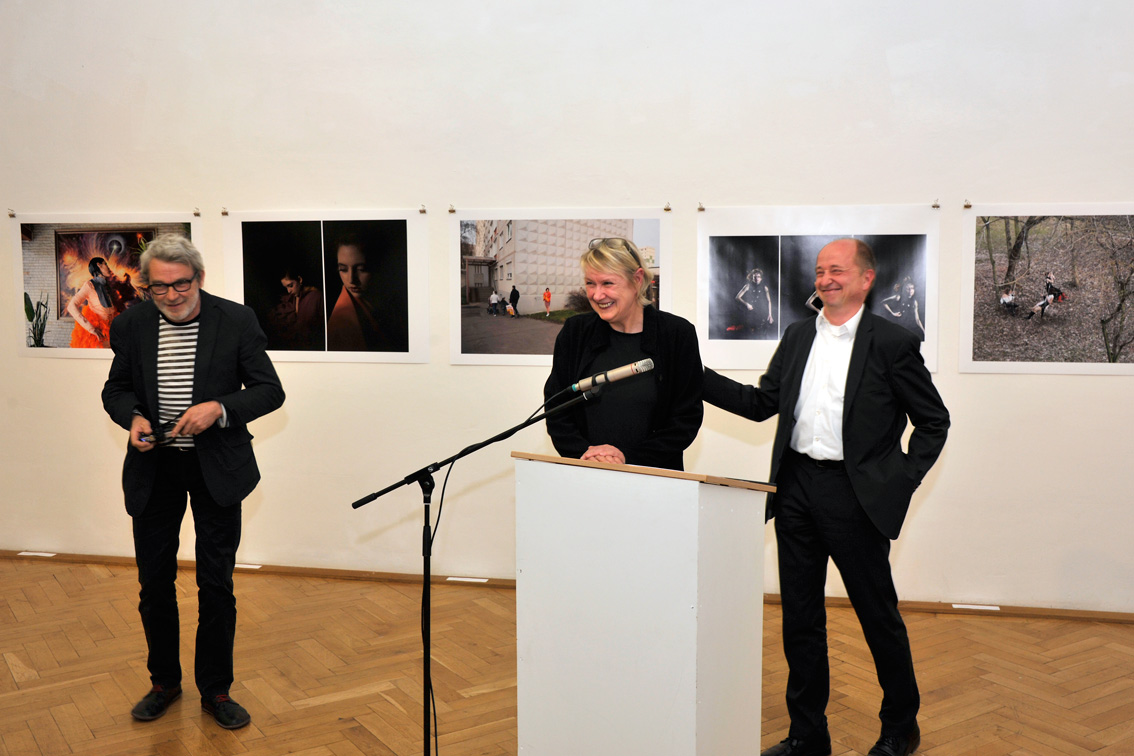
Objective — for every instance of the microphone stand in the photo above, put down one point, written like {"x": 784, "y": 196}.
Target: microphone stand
{"x": 424, "y": 478}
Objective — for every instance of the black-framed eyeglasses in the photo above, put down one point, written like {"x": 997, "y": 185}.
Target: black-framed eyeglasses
{"x": 181, "y": 285}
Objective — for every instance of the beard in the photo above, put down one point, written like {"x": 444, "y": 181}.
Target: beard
{"x": 179, "y": 313}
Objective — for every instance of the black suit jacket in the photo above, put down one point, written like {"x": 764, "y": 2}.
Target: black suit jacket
{"x": 887, "y": 382}
{"x": 231, "y": 367}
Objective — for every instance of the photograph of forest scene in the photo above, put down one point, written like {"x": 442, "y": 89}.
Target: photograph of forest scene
{"x": 1054, "y": 288}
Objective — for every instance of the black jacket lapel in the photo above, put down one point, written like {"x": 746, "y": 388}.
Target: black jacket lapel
{"x": 206, "y": 340}
{"x": 793, "y": 381}
{"x": 148, "y": 343}
{"x": 862, "y": 338}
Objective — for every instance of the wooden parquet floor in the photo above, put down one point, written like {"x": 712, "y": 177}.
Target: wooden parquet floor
{"x": 331, "y": 667}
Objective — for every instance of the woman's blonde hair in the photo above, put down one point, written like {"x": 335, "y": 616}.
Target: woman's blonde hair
{"x": 620, "y": 257}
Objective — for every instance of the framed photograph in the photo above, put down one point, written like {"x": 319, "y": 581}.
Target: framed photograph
{"x": 80, "y": 255}
{"x": 1051, "y": 289}
{"x": 79, "y": 272}
{"x": 756, "y": 274}
{"x": 515, "y": 276}
{"x": 333, "y": 287}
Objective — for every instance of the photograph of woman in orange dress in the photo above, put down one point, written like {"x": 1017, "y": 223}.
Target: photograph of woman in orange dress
{"x": 93, "y": 308}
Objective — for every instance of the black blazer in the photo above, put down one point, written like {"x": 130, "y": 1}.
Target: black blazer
{"x": 671, "y": 342}
{"x": 887, "y": 383}
{"x": 230, "y": 354}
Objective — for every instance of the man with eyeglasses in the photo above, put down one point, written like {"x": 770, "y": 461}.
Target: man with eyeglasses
{"x": 196, "y": 365}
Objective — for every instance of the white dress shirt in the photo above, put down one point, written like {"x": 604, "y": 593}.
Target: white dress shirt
{"x": 818, "y": 430}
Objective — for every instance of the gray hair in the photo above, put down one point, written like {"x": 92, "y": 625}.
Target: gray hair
{"x": 170, "y": 248}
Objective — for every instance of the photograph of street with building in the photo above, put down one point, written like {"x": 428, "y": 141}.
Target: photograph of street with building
{"x": 519, "y": 280}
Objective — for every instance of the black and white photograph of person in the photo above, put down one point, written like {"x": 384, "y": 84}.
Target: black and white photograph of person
{"x": 365, "y": 264}
{"x": 1051, "y": 290}
{"x": 283, "y": 282}
{"x": 798, "y": 299}
{"x": 902, "y": 306}
{"x": 744, "y": 289}
{"x": 899, "y": 283}
{"x": 778, "y": 245}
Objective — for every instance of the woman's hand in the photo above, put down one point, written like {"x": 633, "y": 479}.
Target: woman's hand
{"x": 605, "y": 453}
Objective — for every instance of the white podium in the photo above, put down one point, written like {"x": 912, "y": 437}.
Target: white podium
{"x": 639, "y": 602}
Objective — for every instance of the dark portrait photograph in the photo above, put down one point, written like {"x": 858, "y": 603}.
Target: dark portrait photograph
{"x": 331, "y": 290}
{"x": 283, "y": 282}
{"x": 367, "y": 303}
{"x": 328, "y": 286}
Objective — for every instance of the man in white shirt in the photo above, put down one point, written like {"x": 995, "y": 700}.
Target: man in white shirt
{"x": 843, "y": 385}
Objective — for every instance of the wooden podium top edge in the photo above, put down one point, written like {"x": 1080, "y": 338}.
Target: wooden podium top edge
{"x": 715, "y": 480}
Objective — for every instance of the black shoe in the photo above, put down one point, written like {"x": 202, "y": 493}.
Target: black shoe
{"x": 817, "y": 746}
{"x": 229, "y": 714}
{"x": 897, "y": 745}
{"x": 155, "y": 703}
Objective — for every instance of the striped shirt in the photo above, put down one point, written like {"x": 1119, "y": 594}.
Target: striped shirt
{"x": 177, "y": 353}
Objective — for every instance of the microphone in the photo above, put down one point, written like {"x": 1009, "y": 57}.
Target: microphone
{"x": 610, "y": 376}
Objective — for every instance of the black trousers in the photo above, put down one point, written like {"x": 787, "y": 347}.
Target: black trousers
{"x": 818, "y": 516}
{"x": 156, "y": 539}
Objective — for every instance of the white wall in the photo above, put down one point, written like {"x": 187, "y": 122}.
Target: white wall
{"x": 159, "y": 106}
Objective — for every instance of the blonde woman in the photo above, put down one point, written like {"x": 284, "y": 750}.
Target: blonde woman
{"x": 648, "y": 419}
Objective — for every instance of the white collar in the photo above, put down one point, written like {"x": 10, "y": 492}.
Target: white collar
{"x": 850, "y": 327}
